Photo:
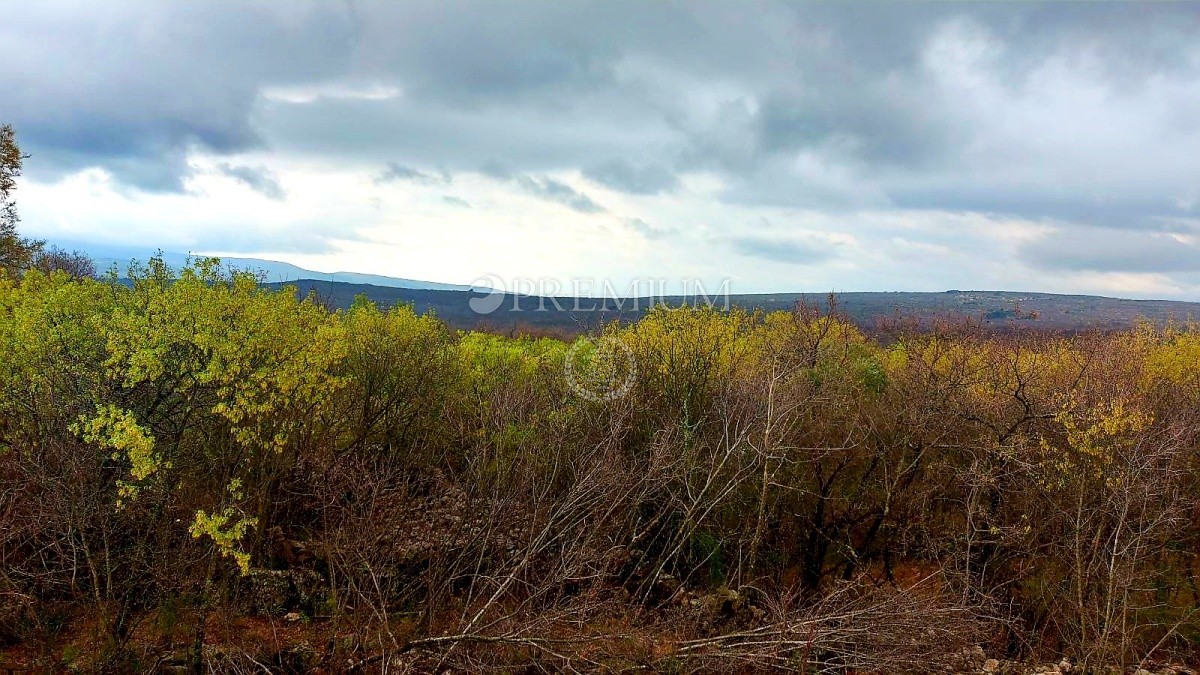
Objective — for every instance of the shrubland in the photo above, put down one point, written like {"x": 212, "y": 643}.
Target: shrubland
{"x": 197, "y": 472}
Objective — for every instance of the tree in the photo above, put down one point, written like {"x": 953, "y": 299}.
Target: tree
{"x": 16, "y": 254}
{"x": 75, "y": 263}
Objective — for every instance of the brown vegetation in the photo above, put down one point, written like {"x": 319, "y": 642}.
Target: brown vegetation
{"x": 194, "y": 460}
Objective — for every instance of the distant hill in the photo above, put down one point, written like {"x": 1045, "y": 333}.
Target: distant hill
{"x": 998, "y": 310}
{"x": 274, "y": 271}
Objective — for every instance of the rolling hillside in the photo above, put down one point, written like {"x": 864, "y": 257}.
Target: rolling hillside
{"x": 997, "y": 309}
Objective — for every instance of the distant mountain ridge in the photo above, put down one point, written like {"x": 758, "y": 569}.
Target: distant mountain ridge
{"x": 1002, "y": 310}
{"x": 993, "y": 310}
{"x": 274, "y": 271}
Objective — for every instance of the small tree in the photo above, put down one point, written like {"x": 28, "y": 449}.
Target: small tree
{"x": 75, "y": 263}
{"x": 16, "y": 254}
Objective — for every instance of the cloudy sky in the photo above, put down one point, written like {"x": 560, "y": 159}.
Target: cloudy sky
{"x": 784, "y": 146}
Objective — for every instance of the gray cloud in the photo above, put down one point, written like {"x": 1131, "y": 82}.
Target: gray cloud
{"x": 156, "y": 81}
{"x": 622, "y": 175}
{"x": 1078, "y": 249}
{"x": 497, "y": 170}
{"x": 647, "y": 230}
{"x": 1074, "y": 112}
{"x": 784, "y": 250}
{"x": 310, "y": 239}
{"x": 260, "y": 179}
{"x": 555, "y": 191}
{"x": 395, "y": 172}
{"x": 923, "y": 105}
{"x": 542, "y": 187}
{"x": 456, "y": 201}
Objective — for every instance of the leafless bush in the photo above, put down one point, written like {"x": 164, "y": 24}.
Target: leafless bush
{"x": 856, "y": 627}
{"x": 75, "y": 263}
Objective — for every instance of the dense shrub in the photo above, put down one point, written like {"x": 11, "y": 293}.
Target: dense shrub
{"x": 189, "y": 457}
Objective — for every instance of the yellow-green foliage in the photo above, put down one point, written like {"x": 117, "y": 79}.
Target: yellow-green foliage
{"x": 226, "y": 529}
{"x": 1173, "y": 356}
{"x": 194, "y": 417}
{"x": 487, "y": 358}
{"x": 51, "y": 342}
{"x": 690, "y": 342}
{"x": 823, "y": 347}
{"x": 263, "y": 357}
{"x": 207, "y": 348}
{"x": 684, "y": 355}
{"x": 1094, "y": 437}
{"x": 117, "y": 429}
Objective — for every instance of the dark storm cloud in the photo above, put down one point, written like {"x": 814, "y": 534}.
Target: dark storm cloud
{"x": 260, "y": 179}
{"x": 1073, "y": 111}
{"x": 784, "y": 250}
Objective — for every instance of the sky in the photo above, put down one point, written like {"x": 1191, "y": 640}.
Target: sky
{"x": 779, "y": 146}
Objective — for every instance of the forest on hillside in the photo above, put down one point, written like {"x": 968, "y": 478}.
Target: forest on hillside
{"x": 197, "y": 472}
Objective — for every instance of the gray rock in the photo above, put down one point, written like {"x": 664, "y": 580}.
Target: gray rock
{"x": 267, "y": 591}
{"x": 276, "y": 592}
